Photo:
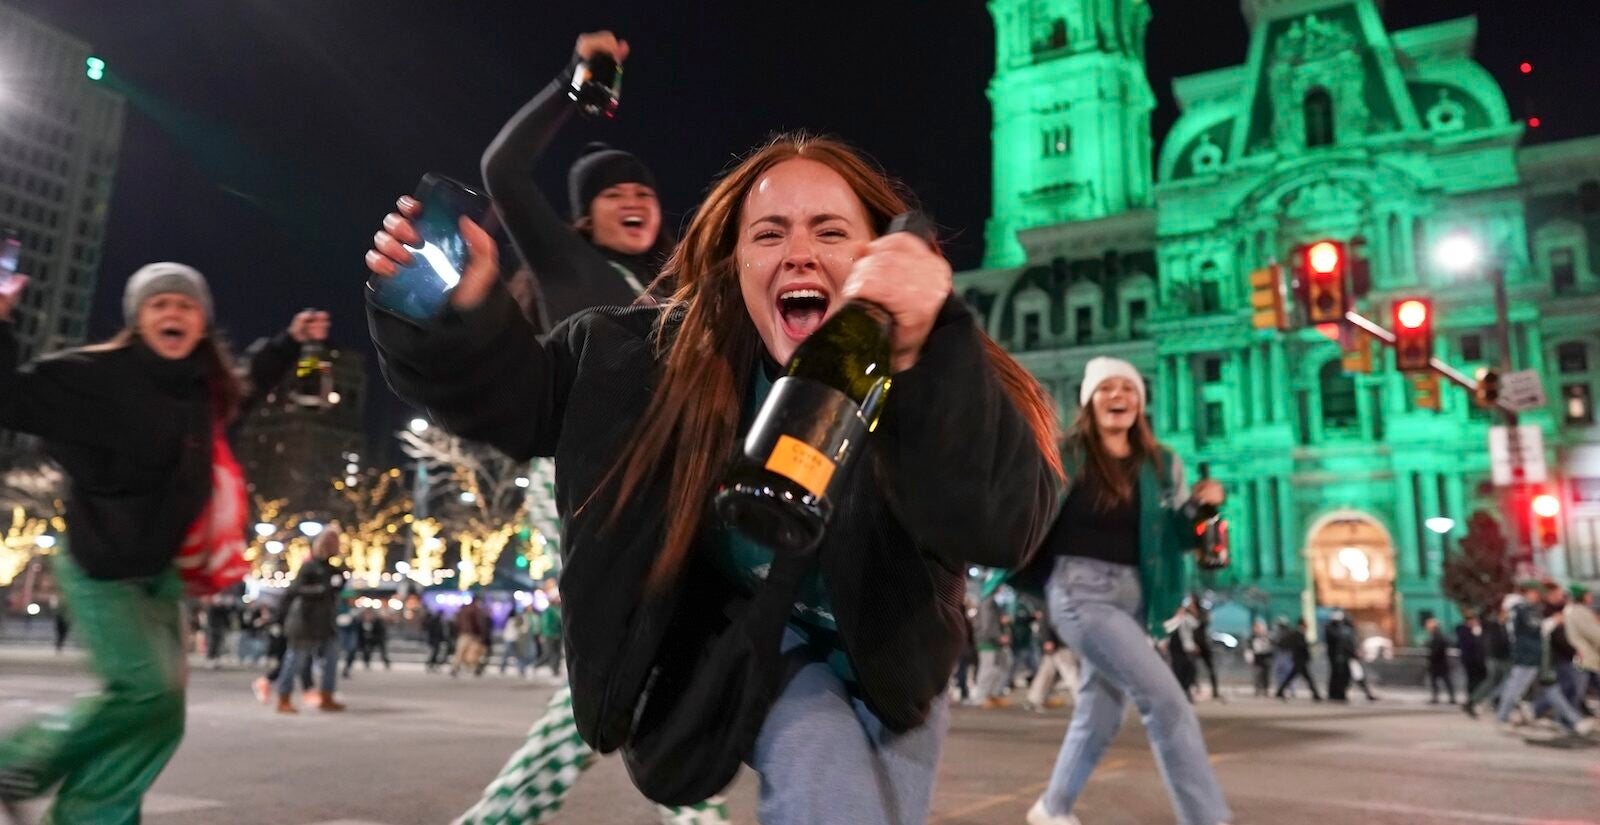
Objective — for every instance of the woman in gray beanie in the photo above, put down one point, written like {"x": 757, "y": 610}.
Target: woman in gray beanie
{"x": 136, "y": 422}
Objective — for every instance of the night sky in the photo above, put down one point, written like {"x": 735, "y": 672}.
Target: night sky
{"x": 266, "y": 138}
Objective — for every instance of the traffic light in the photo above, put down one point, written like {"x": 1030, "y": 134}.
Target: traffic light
{"x": 1266, "y": 298}
{"x": 1546, "y": 508}
{"x": 1413, "y": 334}
{"x": 1358, "y": 354}
{"x": 1425, "y": 391}
{"x": 1326, "y": 301}
{"x": 1487, "y": 393}
{"x": 94, "y": 67}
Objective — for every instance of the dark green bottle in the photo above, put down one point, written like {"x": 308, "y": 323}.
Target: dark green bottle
{"x": 808, "y": 434}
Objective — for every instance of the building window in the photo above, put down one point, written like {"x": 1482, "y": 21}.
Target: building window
{"x": 1211, "y": 368}
{"x": 1031, "y": 329}
{"x": 1319, "y": 118}
{"x": 1137, "y": 312}
{"x": 1577, "y": 404}
{"x": 1338, "y": 397}
{"x": 1082, "y": 324}
{"x": 1215, "y": 424}
{"x": 1057, "y": 141}
{"x": 1563, "y": 269}
{"x": 1572, "y": 358}
{"x": 1472, "y": 347}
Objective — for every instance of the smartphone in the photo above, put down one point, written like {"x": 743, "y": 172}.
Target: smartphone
{"x": 10, "y": 257}
{"x": 417, "y": 292}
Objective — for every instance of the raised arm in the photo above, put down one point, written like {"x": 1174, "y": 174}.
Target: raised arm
{"x": 479, "y": 370}
{"x": 57, "y": 398}
{"x": 570, "y": 274}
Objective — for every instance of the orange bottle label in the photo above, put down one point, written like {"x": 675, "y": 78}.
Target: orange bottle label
{"x": 801, "y": 463}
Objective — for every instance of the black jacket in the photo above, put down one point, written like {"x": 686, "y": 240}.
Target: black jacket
{"x": 1438, "y": 652}
{"x": 1496, "y": 644}
{"x": 311, "y": 604}
{"x": 1471, "y": 646}
{"x": 133, "y": 433}
{"x": 954, "y": 476}
{"x": 571, "y": 274}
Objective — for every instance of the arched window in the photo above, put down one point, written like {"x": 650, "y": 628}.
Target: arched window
{"x": 1338, "y": 397}
{"x": 1319, "y": 118}
{"x": 1210, "y": 288}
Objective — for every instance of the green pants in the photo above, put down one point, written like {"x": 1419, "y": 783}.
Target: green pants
{"x": 108, "y": 749}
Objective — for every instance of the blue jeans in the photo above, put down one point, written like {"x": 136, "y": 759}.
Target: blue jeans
{"x": 1522, "y": 677}
{"x": 824, "y": 757}
{"x": 1097, "y": 608}
{"x": 326, "y": 651}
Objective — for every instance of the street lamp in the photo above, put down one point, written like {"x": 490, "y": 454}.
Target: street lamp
{"x": 45, "y": 541}
{"x": 1459, "y": 253}
{"x": 419, "y": 425}
{"x": 1440, "y": 524}
{"x": 274, "y": 547}
{"x": 311, "y": 529}
{"x": 264, "y": 529}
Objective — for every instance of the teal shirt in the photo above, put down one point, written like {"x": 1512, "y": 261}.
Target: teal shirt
{"x": 746, "y": 562}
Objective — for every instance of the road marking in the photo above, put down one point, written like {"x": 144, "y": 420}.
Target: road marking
{"x": 1025, "y": 793}
{"x": 165, "y": 803}
{"x": 347, "y": 822}
{"x": 1425, "y": 814}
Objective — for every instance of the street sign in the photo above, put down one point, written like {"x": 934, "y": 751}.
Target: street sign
{"x": 1521, "y": 390}
{"x": 1530, "y": 452}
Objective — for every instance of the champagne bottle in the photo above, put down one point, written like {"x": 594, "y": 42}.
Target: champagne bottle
{"x": 1212, "y": 531}
{"x": 597, "y": 86}
{"x": 813, "y": 425}
{"x": 312, "y": 384}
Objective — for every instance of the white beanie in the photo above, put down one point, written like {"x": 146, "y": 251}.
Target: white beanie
{"x": 161, "y": 278}
{"x": 1101, "y": 368}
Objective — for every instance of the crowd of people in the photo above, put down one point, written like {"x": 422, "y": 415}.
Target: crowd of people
{"x": 638, "y": 363}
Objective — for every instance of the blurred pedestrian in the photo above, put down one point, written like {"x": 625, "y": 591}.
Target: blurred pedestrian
{"x": 472, "y": 628}
{"x": 1024, "y": 645}
{"x": 310, "y": 605}
{"x": 1205, "y": 649}
{"x": 1181, "y": 647}
{"x": 1470, "y": 649}
{"x": 1340, "y": 637}
{"x": 63, "y": 624}
{"x": 1057, "y": 663}
{"x": 1438, "y": 662}
{"x": 347, "y": 630}
{"x": 436, "y": 632}
{"x": 991, "y": 635}
{"x": 1258, "y": 653}
{"x": 1583, "y": 631}
{"x": 374, "y": 634}
{"x": 1562, "y": 655}
{"x": 1299, "y": 650}
{"x": 138, "y": 424}
{"x": 1496, "y": 658}
{"x": 1530, "y": 661}
{"x": 517, "y": 640}
{"x": 967, "y": 665}
{"x": 218, "y": 624}
{"x": 550, "y": 630}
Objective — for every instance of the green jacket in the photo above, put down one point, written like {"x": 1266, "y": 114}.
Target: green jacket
{"x": 1166, "y": 540}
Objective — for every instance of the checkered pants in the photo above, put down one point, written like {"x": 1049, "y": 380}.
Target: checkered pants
{"x": 536, "y": 779}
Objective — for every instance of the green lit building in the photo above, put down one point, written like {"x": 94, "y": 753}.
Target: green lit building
{"x": 1102, "y": 243}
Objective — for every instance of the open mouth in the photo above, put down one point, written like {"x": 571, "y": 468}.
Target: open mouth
{"x": 802, "y": 310}
{"x": 1118, "y": 410}
{"x": 170, "y": 334}
{"x": 633, "y": 222}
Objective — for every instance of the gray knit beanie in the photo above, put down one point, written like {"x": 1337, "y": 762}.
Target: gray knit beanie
{"x": 161, "y": 278}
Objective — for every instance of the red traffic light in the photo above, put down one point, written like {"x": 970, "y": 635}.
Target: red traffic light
{"x": 1546, "y": 506}
{"x": 1526, "y": 67}
{"x": 1323, "y": 257}
{"x": 1411, "y": 314}
{"x": 1534, "y": 123}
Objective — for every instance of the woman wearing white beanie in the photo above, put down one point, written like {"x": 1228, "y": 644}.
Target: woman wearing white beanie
{"x": 1113, "y": 568}
{"x": 139, "y": 425}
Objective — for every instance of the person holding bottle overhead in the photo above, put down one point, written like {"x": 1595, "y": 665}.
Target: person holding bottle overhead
{"x": 1114, "y": 568}
{"x": 612, "y": 245}
{"x": 608, "y": 254}
{"x": 138, "y": 424}
{"x": 839, "y": 701}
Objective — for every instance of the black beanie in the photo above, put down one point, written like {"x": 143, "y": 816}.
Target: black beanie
{"x": 599, "y": 167}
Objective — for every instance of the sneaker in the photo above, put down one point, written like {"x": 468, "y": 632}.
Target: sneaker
{"x": 1468, "y": 709}
{"x": 1037, "y": 815}
{"x": 262, "y": 689}
{"x": 1507, "y": 729}
{"x": 1586, "y": 727}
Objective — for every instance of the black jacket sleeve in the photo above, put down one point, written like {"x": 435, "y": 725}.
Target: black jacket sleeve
{"x": 482, "y": 374}
{"x": 267, "y": 361}
{"x": 571, "y": 275}
{"x": 965, "y": 476}
{"x": 60, "y": 398}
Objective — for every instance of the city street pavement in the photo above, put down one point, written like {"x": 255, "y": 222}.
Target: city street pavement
{"x": 417, "y": 747}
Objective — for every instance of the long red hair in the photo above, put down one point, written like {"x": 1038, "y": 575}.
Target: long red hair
{"x": 693, "y": 417}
